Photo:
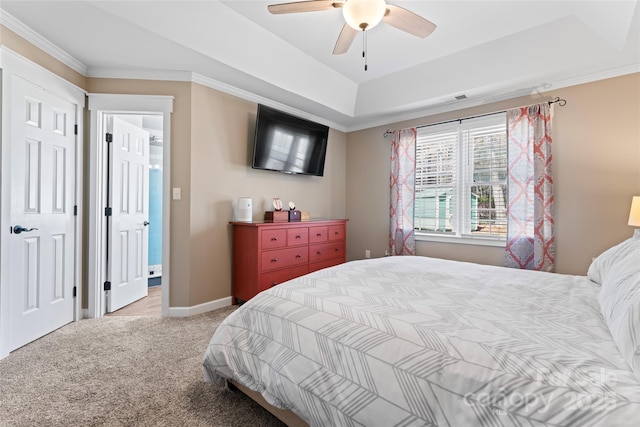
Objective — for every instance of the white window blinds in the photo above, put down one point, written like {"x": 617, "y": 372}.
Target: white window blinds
{"x": 436, "y": 175}
{"x": 461, "y": 178}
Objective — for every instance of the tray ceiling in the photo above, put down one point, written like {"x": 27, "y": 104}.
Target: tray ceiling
{"x": 486, "y": 50}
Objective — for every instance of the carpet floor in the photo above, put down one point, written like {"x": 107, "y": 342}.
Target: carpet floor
{"x": 122, "y": 371}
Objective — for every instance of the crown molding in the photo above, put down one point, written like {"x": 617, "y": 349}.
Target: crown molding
{"x": 249, "y": 96}
{"x": 187, "y": 76}
{"x": 610, "y": 73}
{"x": 40, "y": 42}
{"x": 139, "y": 74}
{"x": 474, "y": 101}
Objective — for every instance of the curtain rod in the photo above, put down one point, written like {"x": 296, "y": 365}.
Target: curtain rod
{"x": 561, "y": 102}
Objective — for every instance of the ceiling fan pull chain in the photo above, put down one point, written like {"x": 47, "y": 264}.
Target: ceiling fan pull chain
{"x": 364, "y": 48}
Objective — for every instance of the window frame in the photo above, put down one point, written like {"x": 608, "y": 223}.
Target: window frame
{"x": 460, "y": 185}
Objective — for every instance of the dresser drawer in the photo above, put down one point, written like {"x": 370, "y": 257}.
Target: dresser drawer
{"x": 336, "y": 232}
{"x": 273, "y": 278}
{"x": 326, "y": 251}
{"x": 318, "y": 234}
{"x": 272, "y": 260}
{"x": 298, "y": 236}
{"x": 272, "y": 239}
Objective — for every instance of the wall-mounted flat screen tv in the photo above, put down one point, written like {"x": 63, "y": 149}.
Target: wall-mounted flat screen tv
{"x": 288, "y": 144}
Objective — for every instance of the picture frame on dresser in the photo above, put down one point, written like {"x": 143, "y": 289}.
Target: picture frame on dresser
{"x": 266, "y": 254}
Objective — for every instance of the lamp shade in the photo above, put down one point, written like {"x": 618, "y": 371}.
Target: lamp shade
{"x": 363, "y": 14}
{"x": 634, "y": 214}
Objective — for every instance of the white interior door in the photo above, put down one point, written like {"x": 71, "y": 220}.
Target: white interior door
{"x": 42, "y": 238}
{"x": 127, "y": 263}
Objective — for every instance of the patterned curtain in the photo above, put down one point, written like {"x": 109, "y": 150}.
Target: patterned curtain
{"x": 403, "y": 171}
{"x": 530, "y": 238}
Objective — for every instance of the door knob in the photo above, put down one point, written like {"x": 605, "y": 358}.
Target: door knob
{"x": 145, "y": 223}
{"x": 17, "y": 229}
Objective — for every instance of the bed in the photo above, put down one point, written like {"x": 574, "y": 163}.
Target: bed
{"x": 415, "y": 341}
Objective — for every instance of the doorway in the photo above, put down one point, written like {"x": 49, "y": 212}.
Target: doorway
{"x": 151, "y": 114}
{"x": 134, "y": 182}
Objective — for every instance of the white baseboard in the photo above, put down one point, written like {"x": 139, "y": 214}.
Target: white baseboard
{"x": 200, "y": 308}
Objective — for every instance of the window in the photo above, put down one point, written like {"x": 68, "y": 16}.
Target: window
{"x": 461, "y": 179}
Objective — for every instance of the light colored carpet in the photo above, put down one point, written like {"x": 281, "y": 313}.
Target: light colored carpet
{"x": 122, "y": 371}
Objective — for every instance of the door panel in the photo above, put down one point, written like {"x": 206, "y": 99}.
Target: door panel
{"x": 58, "y": 267}
{"x": 128, "y": 239}
{"x": 42, "y": 195}
{"x": 32, "y": 283}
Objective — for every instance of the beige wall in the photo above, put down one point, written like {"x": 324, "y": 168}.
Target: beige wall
{"x": 596, "y": 169}
{"x": 222, "y": 143}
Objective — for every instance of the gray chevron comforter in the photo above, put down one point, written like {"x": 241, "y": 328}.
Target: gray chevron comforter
{"x": 416, "y": 341}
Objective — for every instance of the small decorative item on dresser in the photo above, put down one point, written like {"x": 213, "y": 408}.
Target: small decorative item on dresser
{"x": 243, "y": 209}
{"x": 305, "y": 216}
{"x": 294, "y": 215}
{"x": 276, "y": 216}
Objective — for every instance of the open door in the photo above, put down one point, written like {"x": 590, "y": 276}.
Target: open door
{"x": 128, "y": 213}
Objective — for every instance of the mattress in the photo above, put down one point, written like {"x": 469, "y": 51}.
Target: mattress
{"x": 415, "y": 341}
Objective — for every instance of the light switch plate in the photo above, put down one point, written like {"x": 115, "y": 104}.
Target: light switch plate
{"x": 177, "y": 193}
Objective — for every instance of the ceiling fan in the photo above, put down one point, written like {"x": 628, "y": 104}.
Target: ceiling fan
{"x": 361, "y": 15}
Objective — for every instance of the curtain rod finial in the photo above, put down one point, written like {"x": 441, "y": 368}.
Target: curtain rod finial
{"x": 561, "y": 102}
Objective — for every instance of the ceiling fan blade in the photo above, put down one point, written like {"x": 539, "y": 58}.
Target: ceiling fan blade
{"x": 408, "y": 21}
{"x": 346, "y": 37}
{"x": 304, "y": 6}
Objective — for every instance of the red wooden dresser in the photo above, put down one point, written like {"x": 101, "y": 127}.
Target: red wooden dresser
{"x": 268, "y": 253}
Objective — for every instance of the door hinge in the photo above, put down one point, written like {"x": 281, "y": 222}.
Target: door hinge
{"x": 107, "y": 286}
{"x": 75, "y": 129}
{"x": 109, "y": 137}
{"x": 75, "y": 291}
{"x": 107, "y": 211}
{"x": 75, "y": 210}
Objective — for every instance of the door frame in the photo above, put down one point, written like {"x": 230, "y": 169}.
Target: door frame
{"x": 99, "y": 106}
{"x": 13, "y": 65}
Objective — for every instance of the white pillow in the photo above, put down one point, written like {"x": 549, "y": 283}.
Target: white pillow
{"x": 618, "y": 272}
{"x": 602, "y": 265}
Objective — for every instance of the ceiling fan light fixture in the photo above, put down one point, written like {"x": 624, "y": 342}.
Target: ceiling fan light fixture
{"x": 363, "y": 14}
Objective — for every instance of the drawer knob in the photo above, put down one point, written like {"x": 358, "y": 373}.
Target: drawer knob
{"x": 337, "y": 249}
{"x": 298, "y": 237}
{"x": 274, "y": 260}
{"x": 274, "y": 284}
{"x": 318, "y": 253}
{"x": 298, "y": 256}
{"x": 319, "y": 235}
{"x": 274, "y": 239}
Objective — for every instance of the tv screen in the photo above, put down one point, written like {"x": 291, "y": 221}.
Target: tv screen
{"x": 288, "y": 144}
